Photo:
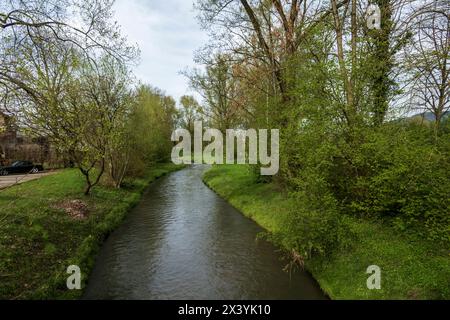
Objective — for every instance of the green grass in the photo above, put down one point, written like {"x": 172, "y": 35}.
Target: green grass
{"x": 38, "y": 241}
{"x": 410, "y": 269}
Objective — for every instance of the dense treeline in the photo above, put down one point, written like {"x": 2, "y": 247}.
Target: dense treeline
{"x": 343, "y": 95}
{"x": 71, "y": 83}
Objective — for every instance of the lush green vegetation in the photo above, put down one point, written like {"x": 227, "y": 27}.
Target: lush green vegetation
{"x": 411, "y": 267}
{"x": 364, "y": 149}
{"x": 73, "y": 86}
{"x": 39, "y": 240}
{"x": 362, "y": 114}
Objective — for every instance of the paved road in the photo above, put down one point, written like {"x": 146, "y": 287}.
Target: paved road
{"x": 7, "y": 181}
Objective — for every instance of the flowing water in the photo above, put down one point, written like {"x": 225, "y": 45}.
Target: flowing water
{"x": 185, "y": 242}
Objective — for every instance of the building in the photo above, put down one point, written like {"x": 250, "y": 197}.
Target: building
{"x": 14, "y": 145}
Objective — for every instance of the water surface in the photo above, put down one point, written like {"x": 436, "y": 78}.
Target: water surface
{"x": 184, "y": 242}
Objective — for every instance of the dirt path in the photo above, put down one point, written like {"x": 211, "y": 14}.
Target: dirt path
{"x": 7, "y": 181}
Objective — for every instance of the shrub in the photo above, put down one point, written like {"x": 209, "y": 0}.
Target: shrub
{"x": 406, "y": 177}
{"x": 314, "y": 225}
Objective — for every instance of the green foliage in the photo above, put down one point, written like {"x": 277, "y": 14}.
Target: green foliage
{"x": 332, "y": 90}
{"x": 189, "y": 113}
{"x": 219, "y": 90}
{"x": 150, "y": 124}
{"x": 396, "y": 171}
{"x": 406, "y": 176}
{"x": 314, "y": 226}
{"x": 411, "y": 268}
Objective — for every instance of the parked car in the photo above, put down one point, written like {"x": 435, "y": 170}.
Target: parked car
{"x": 21, "y": 167}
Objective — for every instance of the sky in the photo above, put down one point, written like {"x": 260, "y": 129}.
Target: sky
{"x": 167, "y": 33}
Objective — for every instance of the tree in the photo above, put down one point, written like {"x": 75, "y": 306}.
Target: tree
{"x": 69, "y": 82}
{"x": 21, "y": 19}
{"x": 190, "y": 112}
{"x": 78, "y": 105}
{"x": 218, "y": 88}
{"x": 151, "y": 123}
{"x": 108, "y": 87}
{"x": 429, "y": 61}
{"x": 25, "y": 26}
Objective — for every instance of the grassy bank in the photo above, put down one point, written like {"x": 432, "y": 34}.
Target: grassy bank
{"x": 411, "y": 269}
{"x": 39, "y": 240}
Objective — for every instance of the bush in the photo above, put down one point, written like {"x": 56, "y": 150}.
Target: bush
{"x": 314, "y": 225}
{"x": 398, "y": 172}
{"x": 406, "y": 176}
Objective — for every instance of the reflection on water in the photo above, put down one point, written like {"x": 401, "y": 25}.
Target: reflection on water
{"x": 184, "y": 242}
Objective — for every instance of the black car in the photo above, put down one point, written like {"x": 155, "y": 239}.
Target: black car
{"x": 21, "y": 167}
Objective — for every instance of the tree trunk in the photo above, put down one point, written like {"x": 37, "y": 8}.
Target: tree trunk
{"x": 381, "y": 83}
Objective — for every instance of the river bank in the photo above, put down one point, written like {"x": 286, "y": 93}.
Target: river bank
{"x": 40, "y": 238}
{"x": 411, "y": 269}
{"x": 183, "y": 242}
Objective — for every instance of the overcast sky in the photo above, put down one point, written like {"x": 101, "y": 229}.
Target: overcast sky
{"x": 167, "y": 33}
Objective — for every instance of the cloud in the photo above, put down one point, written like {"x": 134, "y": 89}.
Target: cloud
{"x": 167, "y": 34}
